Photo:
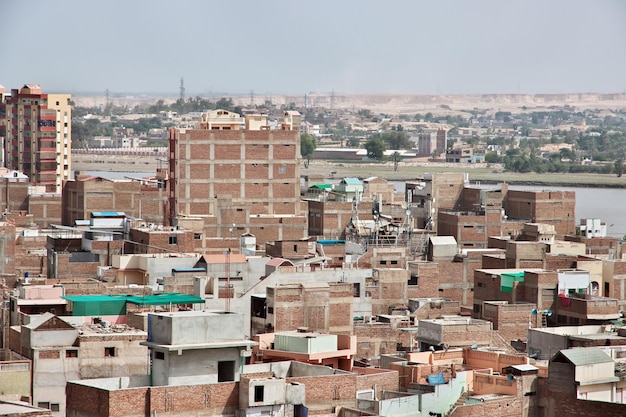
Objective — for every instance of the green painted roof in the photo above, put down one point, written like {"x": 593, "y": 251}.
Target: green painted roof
{"x": 322, "y": 186}
{"x": 153, "y": 299}
{"x": 165, "y": 298}
{"x": 585, "y": 356}
{"x": 94, "y": 298}
{"x": 513, "y": 274}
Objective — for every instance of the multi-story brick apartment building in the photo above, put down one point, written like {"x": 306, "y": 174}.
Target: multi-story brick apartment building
{"x": 234, "y": 176}
{"x": 447, "y": 204}
{"x": 36, "y": 128}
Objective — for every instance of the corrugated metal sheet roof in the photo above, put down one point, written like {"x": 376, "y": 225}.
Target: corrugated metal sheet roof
{"x": 443, "y": 240}
{"x": 351, "y": 181}
{"x": 585, "y": 356}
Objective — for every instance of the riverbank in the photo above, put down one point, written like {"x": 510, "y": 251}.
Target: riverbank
{"x": 487, "y": 173}
{"x": 406, "y": 171}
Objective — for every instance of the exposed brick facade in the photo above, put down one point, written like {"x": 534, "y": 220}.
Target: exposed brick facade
{"x": 87, "y": 194}
{"x": 246, "y": 178}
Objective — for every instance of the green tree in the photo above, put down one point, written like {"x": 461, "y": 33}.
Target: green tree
{"x": 396, "y": 160}
{"x": 354, "y": 142}
{"x": 395, "y": 139}
{"x": 375, "y": 148}
{"x": 307, "y": 147}
{"x": 619, "y": 166}
{"x": 492, "y": 158}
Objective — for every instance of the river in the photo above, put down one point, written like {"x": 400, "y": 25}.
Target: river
{"x": 606, "y": 204}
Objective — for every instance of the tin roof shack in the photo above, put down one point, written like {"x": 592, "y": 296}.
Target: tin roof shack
{"x": 336, "y": 351}
{"x": 453, "y": 331}
{"x": 196, "y": 347}
{"x": 583, "y": 381}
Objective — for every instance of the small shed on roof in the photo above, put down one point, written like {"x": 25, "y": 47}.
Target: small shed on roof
{"x": 350, "y": 187}
{"x": 442, "y": 247}
{"x": 582, "y": 356}
{"x": 275, "y": 263}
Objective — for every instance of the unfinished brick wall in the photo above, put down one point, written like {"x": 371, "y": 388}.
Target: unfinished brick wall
{"x": 375, "y": 339}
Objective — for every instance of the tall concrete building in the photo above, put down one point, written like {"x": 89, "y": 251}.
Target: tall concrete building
{"x": 233, "y": 176}
{"x": 35, "y": 129}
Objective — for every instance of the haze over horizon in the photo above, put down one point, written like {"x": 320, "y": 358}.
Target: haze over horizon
{"x": 349, "y": 47}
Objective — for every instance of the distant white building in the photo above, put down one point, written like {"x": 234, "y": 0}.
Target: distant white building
{"x": 591, "y": 228}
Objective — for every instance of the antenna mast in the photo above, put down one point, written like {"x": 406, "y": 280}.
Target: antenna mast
{"x": 182, "y": 89}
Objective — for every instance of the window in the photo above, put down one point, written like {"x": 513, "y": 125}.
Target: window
{"x": 480, "y": 284}
{"x": 43, "y": 404}
{"x": 71, "y": 353}
{"x": 282, "y": 170}
{"x": 383, "y": 262}
{"x": 173, "y": 240}
{"x": 258, "y": 393}
{"x": 480, "y": 229}
{"x": 394, "y": 262}
{"x": 159, "y": 355}
{"x": 356, "y": 288}
{"x": 109, "y": 351}
{"x": 197, "y": 236}
{"x": 225, "y": 371}
{"x": 55, "y": 407}
{"x": 270, "y": 310}
{"x": 295, "y": 248}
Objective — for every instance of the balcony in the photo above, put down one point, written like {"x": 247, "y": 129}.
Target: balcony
{"x": 588, "y": 307}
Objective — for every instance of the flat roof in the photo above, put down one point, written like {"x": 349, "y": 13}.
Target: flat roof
{"x": 153, "y": 299}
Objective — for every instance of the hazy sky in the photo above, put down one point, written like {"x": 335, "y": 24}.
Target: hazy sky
{"x": 296, "y": 46}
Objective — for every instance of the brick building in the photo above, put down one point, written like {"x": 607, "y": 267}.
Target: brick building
{"x": 61, "y": 352}
{"x": 143, "y": 199}
{"x": 433, "y": 192}
{"x": 325, "y": 307}
{"x": 236, "y": 180}
{"x": 18, "y": 197}
{"x": 38, "y": 131}
{"x": 550, "y": 207}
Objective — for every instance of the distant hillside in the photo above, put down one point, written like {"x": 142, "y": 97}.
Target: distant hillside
{"x": 397, "y": 104}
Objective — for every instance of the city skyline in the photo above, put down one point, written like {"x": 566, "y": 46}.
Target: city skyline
{"x": 350, "y": 47}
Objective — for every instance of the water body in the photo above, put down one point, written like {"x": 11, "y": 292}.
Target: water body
{"x": 607, "y": 204}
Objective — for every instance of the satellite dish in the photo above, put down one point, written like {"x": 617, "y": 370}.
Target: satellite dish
{"x": 431, "y": 348}
{"x": 408, "y": 212}
{"x": 474, "y": 346}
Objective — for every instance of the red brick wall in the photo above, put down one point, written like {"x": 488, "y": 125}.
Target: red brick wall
{"x": 505, "y": 407}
